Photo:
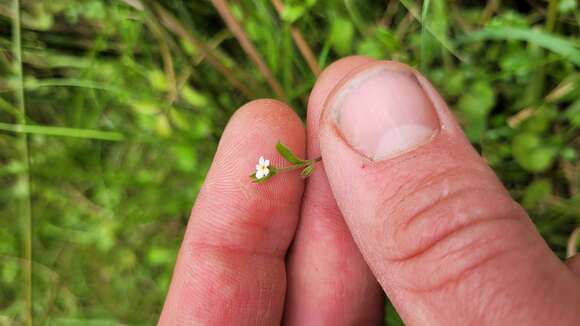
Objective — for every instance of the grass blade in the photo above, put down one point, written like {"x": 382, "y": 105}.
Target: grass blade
{"x": 26, "y": 205}
{"x": 62, "y": 132}
{"x": 424, "y": 37}
{"x": 559, "y": 45}
{"x": 442, "y": 39}
{"x": 172, "y": 24}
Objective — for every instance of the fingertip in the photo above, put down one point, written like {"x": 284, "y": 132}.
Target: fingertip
{"x": 328, "y": 79}
{"x": 268, "y": 112}
{"x": 252, "y": 132}
{"x": 267, "y": 118}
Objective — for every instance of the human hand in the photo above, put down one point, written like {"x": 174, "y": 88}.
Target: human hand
{"x": 430, "y": 220}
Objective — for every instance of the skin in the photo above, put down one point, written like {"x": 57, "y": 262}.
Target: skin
{"x": 325, "y": 251}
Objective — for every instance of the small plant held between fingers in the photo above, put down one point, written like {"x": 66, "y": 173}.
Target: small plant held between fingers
{"x": 265, "y": 171}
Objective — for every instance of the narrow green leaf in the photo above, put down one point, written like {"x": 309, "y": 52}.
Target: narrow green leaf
{"x": 567, "y": 48}
{"x": 287, "y": 154}
{"x": 62, "y": 131}
{"x": 439, "y": 37}
{"x": 424, "y": 36}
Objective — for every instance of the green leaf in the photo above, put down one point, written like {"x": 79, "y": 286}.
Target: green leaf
{"x": 158, "y": 80}
{"x": 194, "y": 97}
{"x": 292, "y": 13}
{"x": 566, "y": 6}
{"x": 158, "y": 256}
{"x": 342, "y": 35}
{"x": 287, "y": 154}
{"x": 536, "y": 192}
{"x": 474, "y": 107}
{"x": 531, "y": 154}
{"x": 307, "y": 171}
{"x": 573, "y": 113}
{"x": 557, "y": 44}
{"x": 518, "y": 63}
{"x": 380, "y": 44}
{"x": 568, "y": 154}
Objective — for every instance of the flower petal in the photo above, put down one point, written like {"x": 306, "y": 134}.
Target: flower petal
{"x": 259, "y": 174}
{"x": 267, "y": 163}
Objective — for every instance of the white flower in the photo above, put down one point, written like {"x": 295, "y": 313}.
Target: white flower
{"x": 262, "y": 168}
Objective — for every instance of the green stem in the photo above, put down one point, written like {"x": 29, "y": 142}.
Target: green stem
{"x": 424, "y": 37}
{"x": 355, "y": 16}
{"x": 25, "y": 177}
{"x": 552, "y": 12}
{"x": 538, "y": 81}
{"x": 298, "y": 166}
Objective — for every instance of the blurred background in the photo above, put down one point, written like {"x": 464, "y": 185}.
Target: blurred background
{"x": 111, "y": 110}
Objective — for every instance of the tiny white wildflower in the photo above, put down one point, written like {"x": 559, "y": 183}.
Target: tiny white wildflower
{"x": 262, "y": 169}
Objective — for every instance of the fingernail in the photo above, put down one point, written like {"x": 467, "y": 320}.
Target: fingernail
{"x": 383, "y": 112}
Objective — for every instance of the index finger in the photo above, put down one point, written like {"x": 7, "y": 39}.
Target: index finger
{"x": 230, "y": 269}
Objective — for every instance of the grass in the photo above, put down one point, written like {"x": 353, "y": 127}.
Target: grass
{"x": 24, "y": 177}
{"x": 110, "y": 112}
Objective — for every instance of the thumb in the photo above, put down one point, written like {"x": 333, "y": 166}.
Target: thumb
{"x": 437, "y": 228}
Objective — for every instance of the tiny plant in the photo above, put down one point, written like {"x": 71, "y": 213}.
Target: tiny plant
{"x": 265, "y": 171}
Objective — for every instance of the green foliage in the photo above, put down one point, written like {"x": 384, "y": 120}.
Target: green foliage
{"x": 286, "y": 153}
{"x": 474, "y": 107}
{"x": 124, "y": 115}
{"x": 531, "y": 153}
{"x": 536, "y": 193}
{"x": 342, "y": 35}
{"x": 566, "y": 6}
{"x": 294, "y": 10}
{"x": 566, "y": 48}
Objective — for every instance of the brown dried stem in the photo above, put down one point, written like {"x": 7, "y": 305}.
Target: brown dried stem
{"x": 300, "y": 42}
{"x": 572, "y": 248}
{"x": 224, "y": 11}
{"x": 171, "y": 23}
{"x": 167, "y": 60}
